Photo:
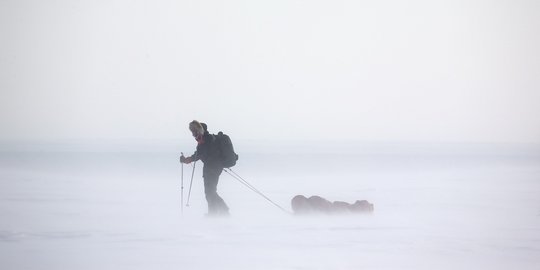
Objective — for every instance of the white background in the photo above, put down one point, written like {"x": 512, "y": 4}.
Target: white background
{"x": 278, "y": 70}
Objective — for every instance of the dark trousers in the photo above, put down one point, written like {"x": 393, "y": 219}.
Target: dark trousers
{"x": 216, "y": 205}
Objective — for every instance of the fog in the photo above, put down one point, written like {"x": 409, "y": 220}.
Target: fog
{"x": 427, "y": 109}
{"x": 436, "y": 206}
{"x": 283, "y": 70}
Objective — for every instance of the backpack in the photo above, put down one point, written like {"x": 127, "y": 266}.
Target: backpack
{"x": 226, "y": 151}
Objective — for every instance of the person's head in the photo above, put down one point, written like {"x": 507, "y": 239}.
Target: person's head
{"x": 196, "y": 128}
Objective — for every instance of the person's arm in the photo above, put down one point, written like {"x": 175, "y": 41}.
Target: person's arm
{"x": 189, "y": 159}
{"x": 195, "y": 156}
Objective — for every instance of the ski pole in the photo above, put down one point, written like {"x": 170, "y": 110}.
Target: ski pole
{"x": 182, "y": 187}
{"x": 191, "y": 183}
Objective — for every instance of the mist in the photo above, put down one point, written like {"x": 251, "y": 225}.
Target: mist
{"x": 427, "y": 109}
{"x": 447, "y": 207}
{"x": 444, "y": 71}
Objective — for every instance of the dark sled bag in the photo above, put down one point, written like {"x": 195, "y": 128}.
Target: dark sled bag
{"x": 227, "y": 155}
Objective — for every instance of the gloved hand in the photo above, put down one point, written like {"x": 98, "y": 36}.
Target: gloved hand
{"x": 185, "y": 160}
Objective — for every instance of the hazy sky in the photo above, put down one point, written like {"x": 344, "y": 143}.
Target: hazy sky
{"x": 271, "y": 70}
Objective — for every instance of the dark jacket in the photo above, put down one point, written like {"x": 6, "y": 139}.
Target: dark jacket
{"x": 208, "y": 151}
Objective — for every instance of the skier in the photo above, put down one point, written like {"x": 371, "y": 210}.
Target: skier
{"x": 208, "y": 151}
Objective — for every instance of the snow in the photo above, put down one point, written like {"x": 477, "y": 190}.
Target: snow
{"x": 436, "y": 207}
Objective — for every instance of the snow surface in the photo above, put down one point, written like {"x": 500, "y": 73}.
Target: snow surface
{"x": 449, "y": 207}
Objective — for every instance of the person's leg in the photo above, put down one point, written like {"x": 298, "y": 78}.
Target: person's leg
{"x": 216, "y": 205}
